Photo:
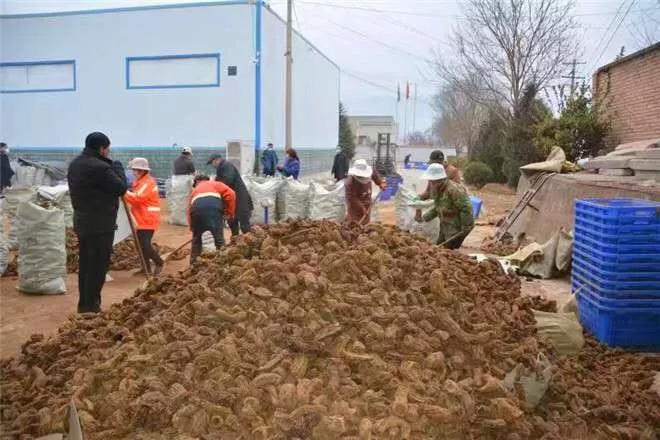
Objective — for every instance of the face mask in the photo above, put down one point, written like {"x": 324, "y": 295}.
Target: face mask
{"x": 363, "y": 179}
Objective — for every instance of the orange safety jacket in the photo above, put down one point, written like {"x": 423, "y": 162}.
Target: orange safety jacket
{"x": 213, "y": 188}
{"x": 144, "y": 203}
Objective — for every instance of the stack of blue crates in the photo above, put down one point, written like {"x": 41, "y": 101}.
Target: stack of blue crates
{"x": 616, "y": 271}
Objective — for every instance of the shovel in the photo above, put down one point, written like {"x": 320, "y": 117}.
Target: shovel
{"x": 169, "y": 254}
{"x": 137, "y": 243}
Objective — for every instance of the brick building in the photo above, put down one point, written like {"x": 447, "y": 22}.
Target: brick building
{"x": 629, "y": 90}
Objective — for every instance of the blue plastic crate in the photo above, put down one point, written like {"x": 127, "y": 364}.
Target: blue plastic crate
{"x": 613, "y": 257}
{"x": 580, "y": 231}
{"x": 578, "y": 282}
{"x": 612, "y": 264}
{"x": 596, "y": 279}
{"x": 618, "y": 248}
{"x": 618, "y": 324}
{"x": 614, "y": 208}
{"x": 616, "y": 275}
{"x": 609, "y": 220}
{"x": 599, "y": 227}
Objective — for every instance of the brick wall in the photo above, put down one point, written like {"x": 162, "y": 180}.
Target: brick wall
{"x": 312, "y": 161}
{"x": 629, "y": 91}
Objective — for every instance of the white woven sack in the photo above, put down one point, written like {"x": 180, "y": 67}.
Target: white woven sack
{"x": 59, "y": 195}
{"x": 327, "y": 202}
{"x": 4, "y": 243}
{"x": 41, "y": 250}
{"x": 178, "y": 191}
{"x": 13, "y": 198}
{"x": 293, "y": 200}
{"x": 405, "y": 216}
{"x": 264, "y": 195}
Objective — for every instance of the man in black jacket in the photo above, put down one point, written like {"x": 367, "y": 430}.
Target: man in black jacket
{"x": 340, "y": 166}
{"x": 6, "y": 172}
{"x": 95, "y": 185}
{"x": 227, "y": 173}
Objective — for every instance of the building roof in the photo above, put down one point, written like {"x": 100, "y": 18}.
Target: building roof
{"x": 627, "y": 58}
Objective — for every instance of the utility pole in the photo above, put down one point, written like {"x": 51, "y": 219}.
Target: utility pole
{"x": 573, "y": 74}
{"x": 289, "y": 73}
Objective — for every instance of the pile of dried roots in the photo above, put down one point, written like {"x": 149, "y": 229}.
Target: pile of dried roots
{"x": 304, "y": 330}
{"x": 124, "y": 255}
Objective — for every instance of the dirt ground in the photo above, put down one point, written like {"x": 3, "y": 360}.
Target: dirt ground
{"x": 22, "y": 315}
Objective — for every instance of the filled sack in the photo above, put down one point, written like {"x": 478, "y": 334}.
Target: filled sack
{"x": 41, "y": 249}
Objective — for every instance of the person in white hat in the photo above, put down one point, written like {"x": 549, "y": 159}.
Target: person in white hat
{"x": 358, "y": 191}
{"x": 451, "y": 205}
{"x": 183, "y": 165}
{"x": 144, "y": 204}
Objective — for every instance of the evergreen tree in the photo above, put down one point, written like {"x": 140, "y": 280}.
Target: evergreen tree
{"x": 346, "y": 139}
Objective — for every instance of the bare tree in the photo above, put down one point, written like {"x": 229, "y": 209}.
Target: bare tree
{"x": 504, "y": 45}
{"x": 646, "y": 31}
{"x": 458, "y": 117}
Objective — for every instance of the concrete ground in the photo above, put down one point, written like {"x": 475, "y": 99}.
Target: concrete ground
{"x": 22, "y": 315}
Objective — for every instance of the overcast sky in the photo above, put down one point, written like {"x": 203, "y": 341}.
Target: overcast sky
{"x": 382, "y": 43}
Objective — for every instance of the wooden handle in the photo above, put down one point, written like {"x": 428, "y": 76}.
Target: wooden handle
{"x": 137, "y": 242}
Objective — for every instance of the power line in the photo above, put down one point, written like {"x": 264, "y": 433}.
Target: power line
{"x": 595, "y": 63}
{"x": 381, "y": 43}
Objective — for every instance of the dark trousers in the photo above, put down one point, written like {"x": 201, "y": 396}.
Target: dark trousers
{"x": 242, "y": 220}
{"x": 150, "y": 254}
{"x": 94, "y": 261}
{"x": 202, "y": 220}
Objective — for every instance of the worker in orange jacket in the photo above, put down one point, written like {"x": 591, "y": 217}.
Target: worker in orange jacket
{"x": 208, "y": 200}
{"x": 144, "y": 204}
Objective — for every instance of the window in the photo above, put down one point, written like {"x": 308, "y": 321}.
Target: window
{"x": 173, "y": 71}
{"x": 362, "y": 140}
{"x": 38, "y": 76}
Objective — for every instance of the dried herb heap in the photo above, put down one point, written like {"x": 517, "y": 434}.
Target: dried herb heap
{"x": 307, "y": 330}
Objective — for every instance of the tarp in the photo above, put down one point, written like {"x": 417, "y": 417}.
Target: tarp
{"x": 546, "y": 260}
{"x": 553, "y": 163}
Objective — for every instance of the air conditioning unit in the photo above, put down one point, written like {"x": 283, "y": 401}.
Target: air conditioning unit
{"x": 241, "y": 154}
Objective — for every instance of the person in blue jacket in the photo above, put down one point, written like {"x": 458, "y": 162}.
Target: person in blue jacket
{"x": 269, "y": 160}
{"x": 291, "y": 165}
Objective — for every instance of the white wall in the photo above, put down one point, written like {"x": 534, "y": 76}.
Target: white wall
{"x": 100, "y": 43}
{"x": 315, "y": 90}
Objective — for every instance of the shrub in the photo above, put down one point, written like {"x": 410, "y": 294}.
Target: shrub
{"x": 458, "y": 161}
{"x": 478, "y": 174}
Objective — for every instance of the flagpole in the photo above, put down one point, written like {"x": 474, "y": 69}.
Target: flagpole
{"x": 415, "y": 109}
{"x": 405, "y": 114}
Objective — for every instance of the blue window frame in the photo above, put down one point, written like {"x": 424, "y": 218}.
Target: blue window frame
{"x": 214, "y": 71}
{"x": 37, "y": 72}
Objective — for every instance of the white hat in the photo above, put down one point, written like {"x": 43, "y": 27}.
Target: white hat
{"x": 187, "y": 150}
{"x": 360, "y": 169}
{"x": 435, "y": 171}
{"x": 139, "y": 163}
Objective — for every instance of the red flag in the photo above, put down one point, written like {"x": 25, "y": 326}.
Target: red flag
{"x": 407, "y": 90}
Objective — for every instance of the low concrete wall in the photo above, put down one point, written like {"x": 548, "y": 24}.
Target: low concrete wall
{"x": 553, "y": 205}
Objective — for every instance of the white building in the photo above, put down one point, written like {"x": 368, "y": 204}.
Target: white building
{"x": 366, "y": 129}
{"x": 197, "y": 74}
